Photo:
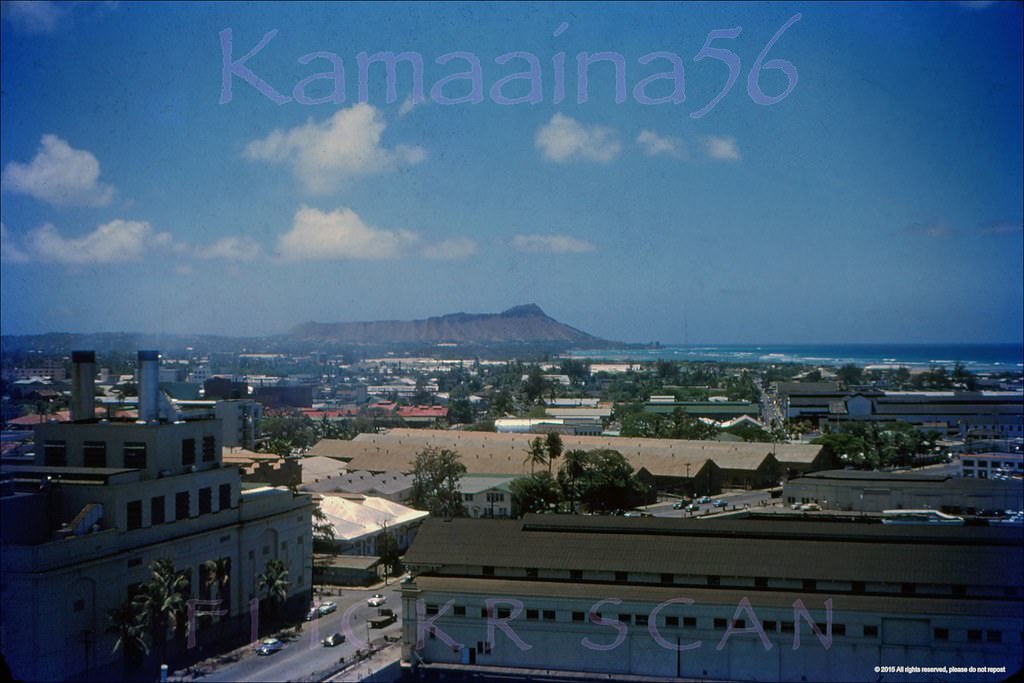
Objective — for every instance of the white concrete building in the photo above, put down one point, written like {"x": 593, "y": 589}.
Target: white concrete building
{"x": 106, "y": 498}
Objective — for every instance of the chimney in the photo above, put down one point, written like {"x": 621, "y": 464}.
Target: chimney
{"x": 83, "y": 394}
{"x": 149, "y": 386}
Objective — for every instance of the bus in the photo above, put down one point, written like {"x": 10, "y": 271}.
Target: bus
{"x": 919, "y": 517}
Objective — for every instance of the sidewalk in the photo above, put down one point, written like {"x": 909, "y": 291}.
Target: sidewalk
{"x": 366, "y": 668}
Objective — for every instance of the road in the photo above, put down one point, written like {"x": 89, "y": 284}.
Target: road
{"x": 734, "y": 500}
{"x": 303, "y": 655}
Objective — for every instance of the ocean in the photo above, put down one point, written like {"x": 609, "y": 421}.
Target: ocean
{"x": 974, "y": 357}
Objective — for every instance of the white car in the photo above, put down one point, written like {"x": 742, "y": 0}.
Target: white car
{"x": 376, "y": 600}
{"x": 328, "y": 607}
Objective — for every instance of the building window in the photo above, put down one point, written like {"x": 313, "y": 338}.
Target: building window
{"x": 135, "y": 455}
{"x": 181, "y": 505}
{"x": 871, "y": 631}
{"x": 641, "y": 620}
{"x": 133, "y": 516}
{"x": 974, "y": 635}
{"x": 94, "y": 454}
{"x": 467, "y": 497}
{"x": 504, "y": 612}
{"x": 188, "y": 452}
{"x": 579, "y": 617}
{"x": 959, "y": 590}
{"x": 209, "y": 448}
{"x": 488, "y": 571}
{"x": 157, "y": 511}
{"x": 55, "y": 453}
{"x": 690, "y": 622}
{"x": 225, "y": 496}
{"x": 858, "y": 586}
{"x": 719, "y": 623}
{"x": 205, "y": 500}
{"x": 531, "y": 572}
{"x": 760, "y": 582}
{"x": 621, "y": 577}
{"x": 549, "y": 615}
{"x": 431, "y": 610}
{"x": 671, "y": 621}
{"x": 714, "y": 580}
{"x": 625, "y": 618}
{"x": 459, "y": 610}
{"x": 78, "y": 605}
{"x": 576, "y": 575}
{"x": 837, "y": 629}
{"x": 787, "y": 627}
{"x": 667, "y": 579}
{"x": 994, "y": 636}
{"x": 908, "y": 589}
{"x": 810, "y": 584}
{"x": 532, "y": 614}
{"x": 134, "y": 562}
{"x": 941, "y": 634}
{"x": 769, "y": 626}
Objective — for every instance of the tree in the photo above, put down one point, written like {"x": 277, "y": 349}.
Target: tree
{"x": 850, "y": 375}
{"x": 538, "y": 453}
{"x": 274, "y": 581}
{"x": 128, "y": 623}
{"x": 435, "y": 487}
{"x": 537, "y": 493}
{"x": 323, "y": 529}
{"x": 389, "y": 553}
{"x": 502, "y": 403}
{"x": 535, "y": 384}
{"x": 163, "y": 600}
{"x": 964, "y": 377}
{"x": 460, "y": 411}
{"x": 570, "y": 473}
{"x": 217, "y": 575}
{"x": 553, "y": 444}
{"x": 577, "y": 370}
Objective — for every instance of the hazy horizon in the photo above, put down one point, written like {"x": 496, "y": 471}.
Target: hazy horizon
{"x": 867, "y": 187}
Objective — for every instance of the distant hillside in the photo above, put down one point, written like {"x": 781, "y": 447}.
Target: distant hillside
{"x": 519, "y": 325}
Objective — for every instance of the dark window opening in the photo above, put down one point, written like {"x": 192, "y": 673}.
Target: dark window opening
{"x": 941, "y": 634}
{"x": 576, "y": 575}
{"x": 78, "y": 605}
{"x": 135, "y": 455}
{"x": 504, "y": 612}
{"x": 488, "y": 571}
{"x": 133, "y": 518}
{"x": 974, "y": 635}
{"x": 870, "y": 631}
{"x": 690, "y": 622}
{"x": 667, "y": 578}
{"x": 714, "y": 580}
{"x": 719, "y": 622}
{"x": 205, "y": 500}
{"x": 532, "y": 614}
{"x": 459, "y": 610}
{"x": 959, "y": 590}
{"x": 188, "y": 452}
{"x": 994, "y": 636}
{"x": 431, "y": 610}
{"x": 94, "y": 454}
{"x": 181, "y": 505}
{"x": 209, "y": 448}
{"x": 55, "y": 454}
{"x": 858, "y": 586}
{"x": 157, "y": 511}
{"x": 671, "y": 621}
{"x": 225, "y": 497}
{"x": 578, "y": 616}
{"x": 549, "y": 615}
{"x": 769, "y": 626}
{"x": 531, "y": 572}
{"x": 640, "y": 620}
{"x": 810, "y": 584}
{"x": 837, "y": 629}
{"x": 621, "y": 577}
{"x": 787, "y": 627}
{"x": 760, "y": 582}
{"x": 908, "y": 589}
{"x": 739, "y": 623}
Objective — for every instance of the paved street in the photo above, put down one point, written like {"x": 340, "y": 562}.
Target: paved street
{"x": 303, "y": 655}
{"x": 733, "y": 499}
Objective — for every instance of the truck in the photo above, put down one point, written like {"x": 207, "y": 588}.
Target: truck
{"x": 383, "y": 620}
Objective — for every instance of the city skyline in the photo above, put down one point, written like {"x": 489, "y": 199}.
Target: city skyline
{"x": 151, "y": 183}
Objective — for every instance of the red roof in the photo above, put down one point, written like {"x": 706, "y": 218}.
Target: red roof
{"x": 423, "y": 411}
{"x": 32, "y": 420}
{"x": 330, "y": 414}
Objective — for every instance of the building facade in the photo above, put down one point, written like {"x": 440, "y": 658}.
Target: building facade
{"x": 103, "y": 500}
{"x": 567, "y": 597}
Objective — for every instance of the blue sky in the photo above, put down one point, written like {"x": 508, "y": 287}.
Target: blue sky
{"x": 878, "y": 201}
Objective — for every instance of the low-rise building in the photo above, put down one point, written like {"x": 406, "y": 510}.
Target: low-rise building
{"x": 485, "y": 496}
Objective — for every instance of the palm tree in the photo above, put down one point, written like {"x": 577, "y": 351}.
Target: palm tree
{"x": 128, "y": 623}
{"x": 554, "y": 447}
{"x": 538, "y": 453}
{"x": 217, "y": 575}
{"x": 274, "y": 580}
{"x": 573, "y": 468}
{"x": 163, "y": 600}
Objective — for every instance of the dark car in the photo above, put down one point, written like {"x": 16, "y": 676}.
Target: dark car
{"x": 333, "y": 639}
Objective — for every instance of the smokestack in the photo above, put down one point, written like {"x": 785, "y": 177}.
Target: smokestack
{"x": 149, "y": 386}
{"x": 83, "y": 393}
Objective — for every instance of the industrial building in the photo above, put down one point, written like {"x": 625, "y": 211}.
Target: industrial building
{"x": 565, "y": 597}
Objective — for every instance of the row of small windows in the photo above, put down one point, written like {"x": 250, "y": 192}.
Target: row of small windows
{"x": 94, "y": 453}
{"x": 182, "y": 506}
{"x": 719, "y": 623}
{"x": 807, "y": 585}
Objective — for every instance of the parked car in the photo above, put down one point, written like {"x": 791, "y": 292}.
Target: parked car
{"x": 333, "y": 639}
{"x": 720, "y": 503}
{"x": 376, "y": 600}
{"x": 704, "y": 499}
{"x": 269, "y": 647}
{"x": 810, "y": 507}
{"x": 328, "y": 607}
{"x": 312, "y": 613}
{"x": 692, "y": 507}
{"x": 382, "y": 621}
{"x": 677, "y": 506}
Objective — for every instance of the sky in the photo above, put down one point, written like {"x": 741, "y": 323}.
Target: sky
{"x": 721, "y": 173}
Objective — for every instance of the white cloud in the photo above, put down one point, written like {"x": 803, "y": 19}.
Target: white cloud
{"x": 654, "y": 144}
{"x": 451, "y": 249}
{"x": 114, "y": 242}
{"x": 345, "y": 146}
{"x": 566, "y": 139}
{"x": 552, "y": 244}
{"x": 408, "y": 105}
{"x": 59, "y": 175}
{"x": 32, "y": 16}
{"x": 723, "y": 148}
{"x": 340, "y": 234}
{"x": 231, "y": 248}
{"x": 10, "y": 252}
